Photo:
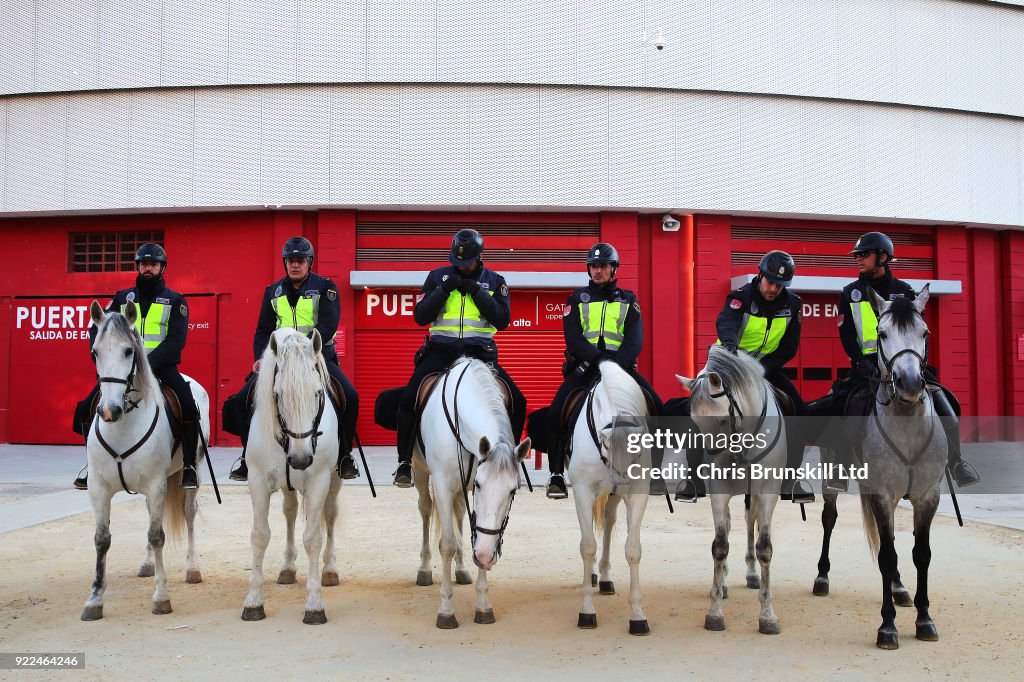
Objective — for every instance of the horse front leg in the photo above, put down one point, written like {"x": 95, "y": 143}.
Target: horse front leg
{"x": 605, "y": 585}
{"x": 584, "y": 499}
{"x": 882, "y": 510}
{"x": 446, "y": 545}
{"x": 636, "y": 505}
{"x": 313, "y": 541}
{"x": 829, "y": 514}
{"x": 290, "y": 508}
{"x": 750, "y": 558}
{"x": 484, "y": 610}
{"x": 329, "y": 577}
{"x": 426, "y": 507}
{"x": 715, "y": 618}
{"x": 767, "y": 621}
{"x": 99, "y": 495}
{"x": 155, "y": 501}
{"x": 462, "y": 576}
{"x": 924, "y": 512}
{"x": 192, "y": 572}
{"x": 252, "y": 608}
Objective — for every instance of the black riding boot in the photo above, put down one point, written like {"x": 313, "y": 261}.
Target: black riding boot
{"x": 82, "y": 482}
{"x": 556, "y": 488}
{"x": 795, "y": 489}
{"x": 841, "y": 444}
{"x": 347, "y": 468}
{"x": 406, "y": 441}
{"x": 692, "y": 487}
{"x": 240, "y": 472}
{"x": 963, "y": 472}
{"x": 189, "y": 445}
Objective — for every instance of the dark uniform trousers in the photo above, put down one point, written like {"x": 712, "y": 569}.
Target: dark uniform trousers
{"x": 577, "y": 380}
{"x": 436, "y": 358}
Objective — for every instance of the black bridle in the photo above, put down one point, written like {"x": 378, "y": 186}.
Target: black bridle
{"x": 888, "y": 380}
{"x": 464, "y": 475}
{"x": 127, "y": 405}
{"x": 284, "y": 439}
{"x": 735, "y": 415}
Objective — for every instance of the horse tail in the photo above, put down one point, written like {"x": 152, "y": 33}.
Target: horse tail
{"x": 870, "y": 525}
{"x": 599, "y": 504}
{"x": 174, "y": 509}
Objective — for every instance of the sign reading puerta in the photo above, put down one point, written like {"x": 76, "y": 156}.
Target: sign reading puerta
{"x": 393, "y": 308}
{"x": 50, "y": 347}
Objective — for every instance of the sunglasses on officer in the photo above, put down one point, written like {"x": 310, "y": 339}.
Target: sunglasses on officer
{"x": 858, "y": 255}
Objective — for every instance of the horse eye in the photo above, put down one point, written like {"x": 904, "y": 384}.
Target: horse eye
{"x": 476, "y": 485}
{"x": 128, "y": 352}
{"x": 883, "y": 336}
{"x": 927, "y": 333}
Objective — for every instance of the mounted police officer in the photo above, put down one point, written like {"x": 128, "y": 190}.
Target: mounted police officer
{"x": 874, "y": 254}
{"x": 163, "y": 324}
{"x": 601, "y": 322}
{"x": 464, "y": 304}
{"x": 305, "y": 301}
{"x": 762, "y": 318}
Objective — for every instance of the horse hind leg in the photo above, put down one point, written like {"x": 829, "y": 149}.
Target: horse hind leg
{"x": 146, "y": 570}
{"x": 924, "y": 512}
{"x": 192, "y": 573}
{"x": 604, "y": 566}
{"x": 829, "y": 515}
{"x": 290, "y": 508}
{"x": 329, "y": 577}
{"x": 462, "y": 576}
{"x": 156, "y": 536}
{"x": 715, "y": 617}
{"x": 100, "y": 498}
{"x": 767, "y": 622}
{"x": 426, "y": 507}
{"x": 750, "y": 558}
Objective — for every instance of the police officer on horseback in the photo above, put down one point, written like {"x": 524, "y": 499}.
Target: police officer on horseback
{"x": 762, "y": 318}
{"x": 601, "y": 322}
{"x": 874, "y": 254}
{"x": 305, "y": 301}
{"x": 163, "y": 324}
{"x": 464, "y": 304}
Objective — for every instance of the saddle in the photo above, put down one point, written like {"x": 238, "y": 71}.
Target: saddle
{"x": 429, "y": 383}
{"x": 786, "y": 405}
{"x": 574, "y": 405}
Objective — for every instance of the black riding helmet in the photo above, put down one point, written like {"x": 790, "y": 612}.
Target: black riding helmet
{"x": 297, "y": 247}
{"x": 778, "y": 268}
{"x": 467, "y": 247}
{"x": 602, "y": 252}
{"x": 876, "y": 242}
{"x": 153, "y": 252}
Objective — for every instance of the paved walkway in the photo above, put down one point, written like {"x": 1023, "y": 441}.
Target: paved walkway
{"x": 35, "y": 483}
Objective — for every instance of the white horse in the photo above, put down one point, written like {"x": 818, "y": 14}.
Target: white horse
{"x": 466, "y": 439}
{"x": 293, "y": 445}
{"x": 599, "y": 439}
{"x": 129, "y": 448}
{"x": 729, "y": 398}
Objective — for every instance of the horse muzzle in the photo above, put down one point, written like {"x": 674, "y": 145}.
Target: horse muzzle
{"x": 300, "y": 462}
{"x": 485, "y": 559}
{"x": 909, "y": 390}
{"x": 111, "y": 413}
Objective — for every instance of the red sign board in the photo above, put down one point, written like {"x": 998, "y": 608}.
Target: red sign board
{"x": 393, "y": 309}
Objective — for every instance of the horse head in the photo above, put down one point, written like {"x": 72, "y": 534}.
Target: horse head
{"x": 121, "y": 367}
{"x": 903, "y": 345}
{"x": 497, "y": 478}
{"x": 297, "y": 386}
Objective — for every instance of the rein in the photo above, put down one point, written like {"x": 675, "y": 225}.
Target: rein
{"x": 284, "y": 440}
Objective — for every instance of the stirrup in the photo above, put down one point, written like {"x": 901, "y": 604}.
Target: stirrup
{"x": 239, "y": 472}
{"x": 969, "y": 469}
{"x": 189, "y": 472}
{"x": 82, "y": 482}
{"x": 839, "y": 485}
{"x": 403, "y": 475}
{"x": 556, "y": 488}
{"x": 347, "y": 468}
{"x": 687, "y": 491}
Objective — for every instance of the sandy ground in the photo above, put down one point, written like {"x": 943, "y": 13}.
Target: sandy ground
{"x": 382, "y": 625}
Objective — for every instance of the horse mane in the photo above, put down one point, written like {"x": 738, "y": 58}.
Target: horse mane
{"x": 115, "y": 325}
{"x": 624, "y": 393}
{"x": 904, "y": 314}
{"x": 741, "y": 373}
{"x": 494, "y": 404}
{"x": 299, "y": 388}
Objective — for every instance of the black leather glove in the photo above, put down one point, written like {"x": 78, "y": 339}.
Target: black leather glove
{"x": 868, "y": 369}
{"x": 469, "y": 286}
{"x": 731, "y": 347}
{"x": 451, "y": 282}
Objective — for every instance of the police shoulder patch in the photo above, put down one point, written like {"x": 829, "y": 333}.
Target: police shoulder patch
{"x": 636, "y": 306}
{"x": 841, "y": 318}
{"x": 504, "y": 289}
{"x": 332, "y": 295}
{"x": 184, "y": 310}
{"x": 735, "y": 303}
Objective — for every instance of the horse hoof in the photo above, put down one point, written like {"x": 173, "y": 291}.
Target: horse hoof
{"x": 888, "y": 639}
{"x": 593, "y": 579}
{"x": 161, "y": 608}
{"x": 725, "y": 591}
{"x": 329, "y": 579}
{"x": 463, "y": 578}
{"x": 253, "y": 613}
{"x": 424, "y": 578}
{"x": 146, "y": 571}
{"x": 587, "y": 621}
{"x": 315, "y": 617}
{"x": 193, "y": 577}
{"x": 607, "y": 587}
{"x": 926, "y": 631}
{"x": 639, "y": 627}
{"x": 820, "y": 587}
{"x": 92, "y": 612}
{"x": 714, "y": 623}
{"x": 484, "y": 617}
{"x": 286, "y": 577}
{"x": 754, "y": 582}
{"x": 768, "y": 627}
{"x": 447, "y": 622}
{"x": 902, "y": 598}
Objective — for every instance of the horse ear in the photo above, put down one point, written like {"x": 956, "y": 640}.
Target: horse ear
{"x": 485, "y": 447}
{"x": 922, "y": 298}
{"x": 96, "y": 313}
{"x": 881, "y": 305}
{"x": 318, "y": 342}
{"x": 273, "y": 343}
{"x": 131, "y": 313}
{"x": 687, "y": 383}
{"x": 715, "y": 381}
{"x": 523, "y": 449}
